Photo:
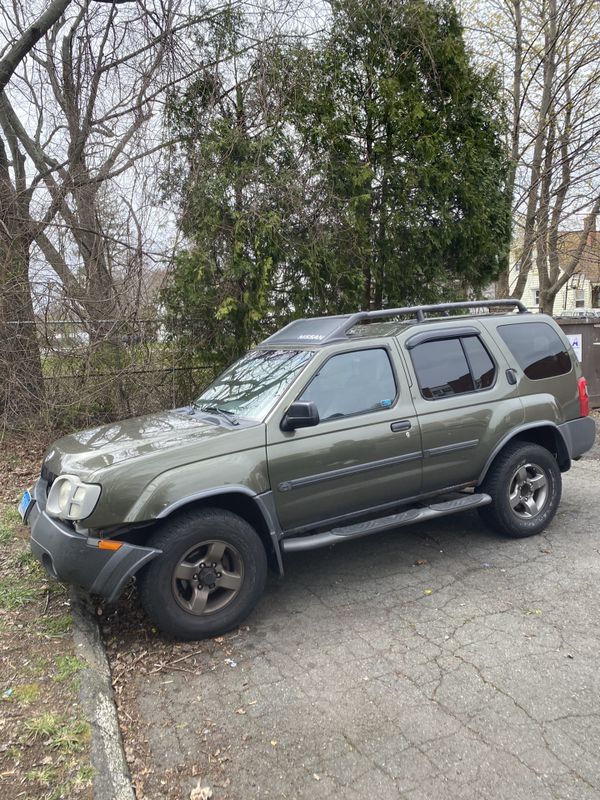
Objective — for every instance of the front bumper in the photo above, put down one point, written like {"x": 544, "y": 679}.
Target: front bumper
{"x": 75, "y": 558}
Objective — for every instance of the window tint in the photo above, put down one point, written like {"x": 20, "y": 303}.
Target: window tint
{"x": 352, "y": 383}
{"x": 537, "y": 348}
{"x": 482, "y": 366}
{"x": 442, "y": 368}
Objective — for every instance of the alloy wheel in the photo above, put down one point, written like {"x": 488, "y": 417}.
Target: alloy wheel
{"x": 528, "y": 491}
{"x": 208, "y": 577}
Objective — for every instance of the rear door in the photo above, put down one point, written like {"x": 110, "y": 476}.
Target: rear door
{"x": 364, "y": 453}
{"x": 464, "y": 400}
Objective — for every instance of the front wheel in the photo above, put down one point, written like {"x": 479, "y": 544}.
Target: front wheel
{"x": 525, "y": 485}
{"x": 209, "y": 577}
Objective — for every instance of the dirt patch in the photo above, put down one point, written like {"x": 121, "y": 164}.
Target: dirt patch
{"x": 44, "y": 750}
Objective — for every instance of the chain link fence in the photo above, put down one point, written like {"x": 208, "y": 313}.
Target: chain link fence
{"x": 66, "y": 373}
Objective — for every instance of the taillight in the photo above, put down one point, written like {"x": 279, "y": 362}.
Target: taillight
{"x": 584, "y": 399}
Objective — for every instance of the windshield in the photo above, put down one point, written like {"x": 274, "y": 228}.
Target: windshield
{"x": 251, "y": 386}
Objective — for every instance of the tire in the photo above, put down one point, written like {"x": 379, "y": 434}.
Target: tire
{"x": 525, "y": 485}
{"x": 210, "y": 576}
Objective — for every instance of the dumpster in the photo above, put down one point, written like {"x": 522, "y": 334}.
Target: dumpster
{"x": 584, "y": 334}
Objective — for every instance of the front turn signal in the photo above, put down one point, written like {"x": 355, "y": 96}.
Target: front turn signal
{"x": 109, "y": 544}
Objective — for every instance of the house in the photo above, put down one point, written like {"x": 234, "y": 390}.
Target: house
{"x": 582, "y": 290}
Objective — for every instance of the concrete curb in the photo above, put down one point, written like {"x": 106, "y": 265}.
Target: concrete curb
{"x": 111, "y": 777}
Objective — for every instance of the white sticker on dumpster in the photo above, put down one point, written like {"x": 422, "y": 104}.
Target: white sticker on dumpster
{"x": 575, "y": 339}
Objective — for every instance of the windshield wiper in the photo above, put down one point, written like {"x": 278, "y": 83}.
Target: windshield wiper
{"x": 230, "y": 415}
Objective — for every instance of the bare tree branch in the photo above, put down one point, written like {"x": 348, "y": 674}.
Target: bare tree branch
{"x": 28, "y": 39}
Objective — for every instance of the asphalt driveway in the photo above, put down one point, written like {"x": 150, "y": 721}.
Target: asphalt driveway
{"x": 440, "y": 661}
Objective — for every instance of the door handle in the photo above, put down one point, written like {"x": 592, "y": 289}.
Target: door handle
{"x": 401, "y": 425}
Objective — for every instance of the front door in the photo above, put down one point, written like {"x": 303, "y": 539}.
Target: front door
{"x": 364, "y": 453}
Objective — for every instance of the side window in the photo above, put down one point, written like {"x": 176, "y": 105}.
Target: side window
{"x": 537, "y": 348}
{"x": 352, "y": 383}
{"x": 482, "y": 366}
{"x": 442, "y": 368}
{"x": 453, "y": 366}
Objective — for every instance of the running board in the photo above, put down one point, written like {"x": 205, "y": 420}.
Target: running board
{"x": 358, "y": 529}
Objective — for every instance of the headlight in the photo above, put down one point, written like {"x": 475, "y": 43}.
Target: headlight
{"x": 70, "y": 498}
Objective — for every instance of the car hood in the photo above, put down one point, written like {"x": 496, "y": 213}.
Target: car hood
{"x": 85, "y": 452}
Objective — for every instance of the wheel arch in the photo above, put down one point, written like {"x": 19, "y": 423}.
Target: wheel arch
{"x": 257, "y": 510}
{"x": 545, "y": 434}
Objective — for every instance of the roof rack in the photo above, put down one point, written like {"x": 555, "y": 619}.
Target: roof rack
{"x": 418, "y": 312}
{"x": 319, "y": 330}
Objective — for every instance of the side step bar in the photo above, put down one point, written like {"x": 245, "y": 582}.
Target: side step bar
{"x": 358, "y": 529}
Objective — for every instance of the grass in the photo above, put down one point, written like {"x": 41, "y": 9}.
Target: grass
{"x": 67, "y": 666}
{"x": 45, "y": 725}
{"x": 26, "y": 559}
{"x": 85, "y": 774}
{"x": 57, "y": 588}
{"x": 5, "y": 535}
{"x": 24, "y": 695}
{"x": 55, "y": 627}
{"x": 65, "y": 735}
{"x": 13, "y": 754}
{"x": 47, "y": 754}
{"x": 9, "y": 524}
{"x": 45, "y": 776}
{"x": 16, "y": 591}
{"x": 38, "y": 666}
{"x": 50, "y": 777}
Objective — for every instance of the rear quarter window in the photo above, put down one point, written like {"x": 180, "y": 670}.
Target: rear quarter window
{"x": 537, "y": 348}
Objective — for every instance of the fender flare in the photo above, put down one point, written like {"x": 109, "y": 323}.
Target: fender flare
{"x": 264, "y": 504}
{"x": 562, "y": 446}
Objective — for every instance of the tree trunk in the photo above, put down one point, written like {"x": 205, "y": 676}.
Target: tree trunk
{"x": 540, "y": 142}
{"x": 547, "y": 302}
{"x": 502, "y": 284}
{"x": 21, "y": 390}
{"x": 20, "y": 363}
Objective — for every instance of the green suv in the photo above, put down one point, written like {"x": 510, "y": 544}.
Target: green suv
{"x": 331, "y": 429}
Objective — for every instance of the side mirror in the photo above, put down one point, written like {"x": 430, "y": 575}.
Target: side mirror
{"x": 300, "y": 414}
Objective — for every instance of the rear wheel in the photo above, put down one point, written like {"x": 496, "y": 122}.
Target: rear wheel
{"x": 209, "y": 577}
{"x": 525, "y": 484}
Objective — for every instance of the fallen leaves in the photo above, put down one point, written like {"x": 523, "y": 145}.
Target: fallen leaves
{"x": 200, "y": 792}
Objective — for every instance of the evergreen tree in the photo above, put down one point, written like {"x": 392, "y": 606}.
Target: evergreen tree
{"x": 364, "y": 170}
{"x": 235, "y": 174}
{"x": 406, "y": 141}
